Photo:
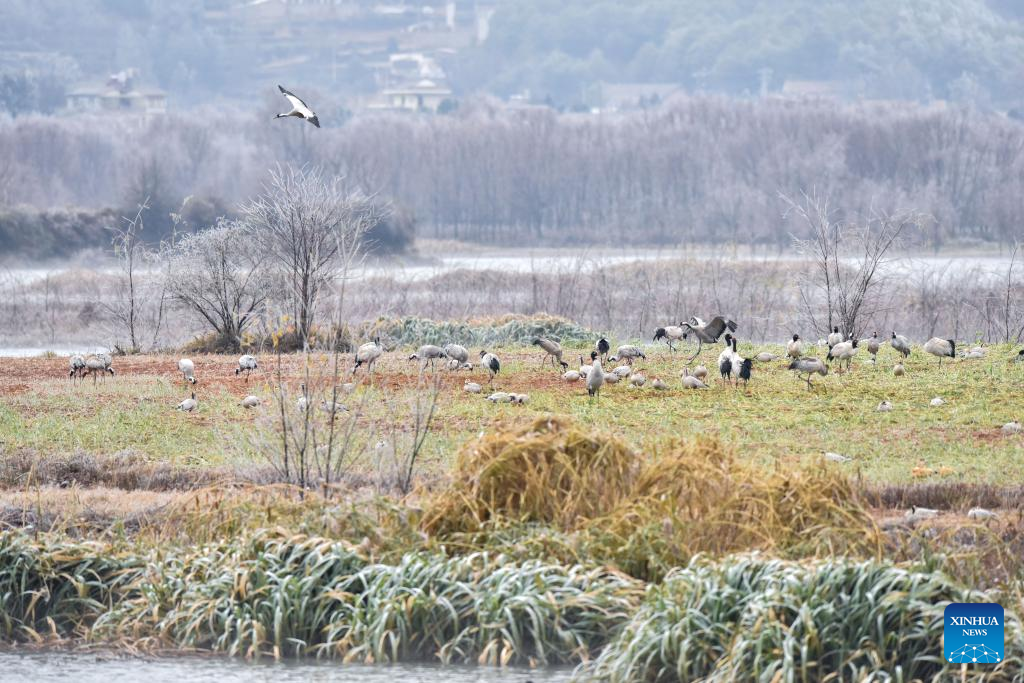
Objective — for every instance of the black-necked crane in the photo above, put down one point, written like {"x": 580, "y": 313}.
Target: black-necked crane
{"x": 188, "y": 370}
{"x": 77, "y": 365}
{"x": 427, "y": 354}
{"x": 766, "y": 357}
{"x": 98, "y": 365}
{"x": 900, "y": 343}
{"x": 725, "y": 368}
{"x": 595, "y": 378}
{"x": 472, "y": 387}
{"x": 745, "y": 370}
{"x": 1019, "y": 358}
{"x": 250, "y": 401}
{"x": 368, "y": 354}
{"x": 844, "y": 351}
{"x": 707, "y": 332}
{"x": 873, "y": 345}
{"x": 299, "y": 108}
{"x": 795, "y": 349}
{"x": 189, "y": 404}
{"x": 628, "y": 353}
{"x": 810, "y": 366}
{"x": 670, "y": 334}
{"x": 491, "y": 363}
{"x": 834, "y": 337}
{"x": 602, "y": 347}
{"x": 458, "y": 354}
{"x": 941, "y": 348}
{"x": 246, "y": 364}
{"x": 739, "y": 365}
{"x": 552, "y": 351}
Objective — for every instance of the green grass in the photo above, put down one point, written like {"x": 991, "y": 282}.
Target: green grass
{"x": 134, "y": 412}
{"x": 774, "y": 423}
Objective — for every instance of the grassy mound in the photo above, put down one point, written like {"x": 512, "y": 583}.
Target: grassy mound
{"x": 509, "y": 330}
{"x": 645, "y": 514}
{"x": 759, "y": 619}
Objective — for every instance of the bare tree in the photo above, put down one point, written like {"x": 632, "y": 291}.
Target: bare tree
{"x": 1013, "y": 312}
{"x": 845, "y": 258}
{"x": 135, "y": 307}
{"x": 220, "y": 275}
{"x": 309, "y": 227}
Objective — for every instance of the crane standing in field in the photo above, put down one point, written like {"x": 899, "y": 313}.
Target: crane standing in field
{"x": 670, "y": 334}
{"x": 77, "y": 364}
{"x": 706, "y": 332}
{"x": 368, "y": 354}
{"x": 246, "y": 364}
{"x": 900, "y": 344}
{"x": 941, "y": 348}
{"x": 491, "y": 363}
{"x": 808, "y": 365}
{"x": 552, "y": 352}
{"x": 595, "y": 378}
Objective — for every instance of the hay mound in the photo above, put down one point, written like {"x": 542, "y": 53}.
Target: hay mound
{"x": 647, "y": 514}
{"x": 551, "y": 471}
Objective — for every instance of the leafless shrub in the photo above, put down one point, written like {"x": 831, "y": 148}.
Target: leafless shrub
{"x": 136, "y": 308}
{"x": 400, "y": 448}
{"x": 310, "y": 227}
{"x": 845, "y": 258}
{"x": 219, "y": 275}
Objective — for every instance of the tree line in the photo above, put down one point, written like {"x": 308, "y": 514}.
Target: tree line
{"x": 694, "y": 170}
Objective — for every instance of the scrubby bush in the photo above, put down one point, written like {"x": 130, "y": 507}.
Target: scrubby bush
{"x": 509, "y": 330}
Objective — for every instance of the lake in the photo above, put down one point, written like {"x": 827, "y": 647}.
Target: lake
{"x": 45, "y": 666}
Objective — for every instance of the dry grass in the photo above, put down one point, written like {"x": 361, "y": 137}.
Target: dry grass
{"x": 647, "y": 515}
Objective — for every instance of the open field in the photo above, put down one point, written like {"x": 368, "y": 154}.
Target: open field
{"x": 775, "y": 422}
{"x": 562, "y": 531}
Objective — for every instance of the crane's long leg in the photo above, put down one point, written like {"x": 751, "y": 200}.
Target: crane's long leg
{"x": 697, "y": 353}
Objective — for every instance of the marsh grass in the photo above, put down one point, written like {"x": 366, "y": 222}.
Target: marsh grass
{"x": 271, "y": 594}
{"x": 755, "y": 618}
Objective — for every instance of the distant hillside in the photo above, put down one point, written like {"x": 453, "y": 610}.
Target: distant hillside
{"x": 918, "y": 49}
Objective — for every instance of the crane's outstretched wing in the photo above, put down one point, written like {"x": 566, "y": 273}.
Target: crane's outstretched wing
{"x": 718, "y": 325}
{"x": 294, "y": 99}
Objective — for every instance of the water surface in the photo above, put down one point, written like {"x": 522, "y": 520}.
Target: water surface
{"x": 43, "y": 667}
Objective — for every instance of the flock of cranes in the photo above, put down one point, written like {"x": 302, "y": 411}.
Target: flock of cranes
{"x": 732, "y": 366}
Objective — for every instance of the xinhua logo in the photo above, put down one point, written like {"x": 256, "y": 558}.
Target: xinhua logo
{"x": 973, "y": 633}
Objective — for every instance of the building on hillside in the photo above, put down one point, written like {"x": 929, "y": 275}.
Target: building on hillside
{"x": 422, "y": 96}
{"x": 119, "y": 93}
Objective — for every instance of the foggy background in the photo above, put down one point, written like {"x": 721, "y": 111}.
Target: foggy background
{"x": 656, "y": 122}
{"x": 638, "y": 154}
